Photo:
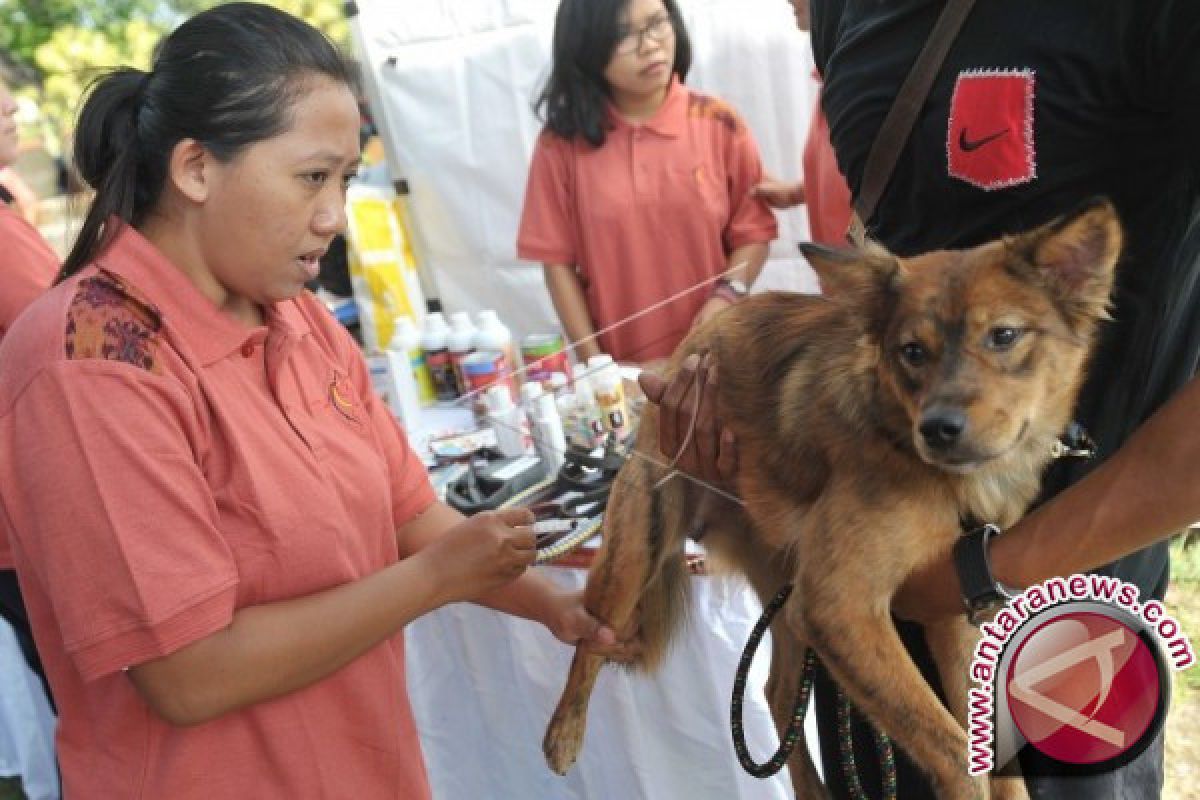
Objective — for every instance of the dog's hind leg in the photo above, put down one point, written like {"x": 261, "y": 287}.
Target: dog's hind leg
{"x": 637, "y": 573}
{"x": 952, "y": 644}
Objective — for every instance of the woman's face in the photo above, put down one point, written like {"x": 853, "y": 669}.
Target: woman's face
{"x": 273, "y": 210}
{"x": 8, "y": 127}
{"x": 642, "y": 61}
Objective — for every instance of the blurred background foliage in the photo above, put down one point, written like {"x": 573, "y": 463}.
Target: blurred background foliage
{"x": 50, "y": 50}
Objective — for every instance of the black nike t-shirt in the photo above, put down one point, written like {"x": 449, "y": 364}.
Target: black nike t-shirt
{"x": 1040, "y": 105}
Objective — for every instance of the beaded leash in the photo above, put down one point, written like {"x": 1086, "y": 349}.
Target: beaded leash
{"x": 790, "y": 737}
{"x": 796, "y": 724}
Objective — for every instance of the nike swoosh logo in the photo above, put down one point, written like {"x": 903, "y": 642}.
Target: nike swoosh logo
{"x": 968, "y": 145}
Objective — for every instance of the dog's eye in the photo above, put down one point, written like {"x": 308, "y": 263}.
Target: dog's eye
{"x": 1003, "y": 338}
{"x": 914, "y": 354}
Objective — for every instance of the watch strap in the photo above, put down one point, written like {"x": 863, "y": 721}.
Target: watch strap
{"x": 981, "y": 591}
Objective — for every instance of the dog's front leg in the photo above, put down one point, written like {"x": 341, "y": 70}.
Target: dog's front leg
{"x": 852, "y": 562}
{"x": 952, "y": 643}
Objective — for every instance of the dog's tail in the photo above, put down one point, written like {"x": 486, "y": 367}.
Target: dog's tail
{"x": 665, "y": 598}
{"x": 644, "y": 515}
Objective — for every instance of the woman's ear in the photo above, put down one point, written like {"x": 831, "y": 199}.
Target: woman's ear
{"x": 189, "y": 170}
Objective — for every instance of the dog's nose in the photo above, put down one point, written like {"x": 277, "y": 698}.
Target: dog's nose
{"x": 941, "y": 427}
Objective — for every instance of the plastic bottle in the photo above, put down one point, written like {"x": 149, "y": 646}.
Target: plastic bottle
{"x": 587, "y": 429}
{"x": 545, "y": 425}
{"x": 398, "y": 384}
{"x": 506, "y": 420}
{"x": 460, "y": 344}
{"x": 609, "y": 388}
{"x": 406, "y": 338}
{"x": 437, "y": 357}
{"x": 492, "y": 335}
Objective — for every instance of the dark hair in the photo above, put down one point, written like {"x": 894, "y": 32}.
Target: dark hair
{"x": 574, "y": 100}
{"x": 227, "y": 78}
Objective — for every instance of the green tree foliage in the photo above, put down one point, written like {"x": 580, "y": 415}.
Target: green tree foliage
{"x": 67, "y": 43}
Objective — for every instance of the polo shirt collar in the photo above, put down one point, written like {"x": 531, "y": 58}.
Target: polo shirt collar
{"x": 671, "y": 118}
{"x": 209, "y": 332}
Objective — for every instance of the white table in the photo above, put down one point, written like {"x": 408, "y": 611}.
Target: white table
{"x": 483, "y": 686}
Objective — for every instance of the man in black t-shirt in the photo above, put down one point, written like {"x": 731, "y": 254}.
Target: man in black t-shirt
{"x": 1039, "y": 106}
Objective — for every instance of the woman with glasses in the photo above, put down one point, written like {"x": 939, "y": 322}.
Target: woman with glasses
{"x": 639, "y": 194}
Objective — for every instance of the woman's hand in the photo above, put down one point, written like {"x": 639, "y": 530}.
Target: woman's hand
{"x": 711, "y": 453}
{"x": 568, "y": 619}
{"x": 778, "y": 194}
{"x": 481, "y": 553}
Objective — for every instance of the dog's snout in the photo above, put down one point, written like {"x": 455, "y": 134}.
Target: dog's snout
{"x": 942, "y": 427}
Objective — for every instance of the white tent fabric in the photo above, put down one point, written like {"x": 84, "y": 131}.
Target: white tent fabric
{"x": 452, "y": 82}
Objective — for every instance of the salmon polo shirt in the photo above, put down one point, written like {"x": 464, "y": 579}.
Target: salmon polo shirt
{"x": 654, "y": 211}
{"x": 163, "y": 465}
{"x": 27, "y": 268}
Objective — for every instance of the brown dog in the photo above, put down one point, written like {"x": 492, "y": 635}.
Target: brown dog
{"x": 916, "y": 393}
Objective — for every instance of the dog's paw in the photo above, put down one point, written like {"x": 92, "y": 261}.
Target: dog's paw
{"x": 564, "y": 740}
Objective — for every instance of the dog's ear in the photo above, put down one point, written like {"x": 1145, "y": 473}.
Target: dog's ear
{"x": 1075, "y": 256}
{"x": 852, "y": 274}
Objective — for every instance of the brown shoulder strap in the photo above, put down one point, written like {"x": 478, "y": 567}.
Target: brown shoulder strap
{"x": 898, "y": 124}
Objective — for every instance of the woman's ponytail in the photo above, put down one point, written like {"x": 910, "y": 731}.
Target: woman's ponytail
{"x": 106, "y": 156}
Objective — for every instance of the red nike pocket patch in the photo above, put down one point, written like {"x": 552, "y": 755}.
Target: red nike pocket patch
{"x": 989, "y": 142}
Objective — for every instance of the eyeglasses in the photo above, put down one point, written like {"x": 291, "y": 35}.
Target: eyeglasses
{"x": 658, "y": 29}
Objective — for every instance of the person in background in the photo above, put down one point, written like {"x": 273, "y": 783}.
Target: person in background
{"x": 1022, "y": 125}
{"x": 823, "y": 190}
{"x": 639, "y": 189}
{"x": 27, "y": 268}
{"x": 220, "y": 531}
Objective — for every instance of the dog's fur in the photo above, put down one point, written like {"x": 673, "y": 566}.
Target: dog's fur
{"x": 870, "y": 423}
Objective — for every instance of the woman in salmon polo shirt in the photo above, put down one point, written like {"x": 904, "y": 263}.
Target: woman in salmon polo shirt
{"x": 27, "y": 268}
{"x": 219, "y": 529}
{"x": 639, "y": 189}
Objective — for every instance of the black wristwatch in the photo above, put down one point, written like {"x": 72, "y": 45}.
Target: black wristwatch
{"x": 982, "y": 593}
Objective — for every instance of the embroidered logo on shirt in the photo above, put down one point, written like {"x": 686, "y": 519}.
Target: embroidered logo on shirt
{"x": 989, "y": 139}
{"x": 342, "y": 398}
{"x": 109, "y": 320}
{"x": 974, "y": 144}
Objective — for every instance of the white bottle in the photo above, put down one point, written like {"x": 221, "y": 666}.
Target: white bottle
{"x": 437, "y": 357}
{"x": 492, "y": 335}
{"x": 505, "y": 419}
{"x": 400, "y": 384}
{"x": 460, "y": 342}
{"x": 609, "y": 388}
{"x": 587, "y": 426}
{"x": 406, "y": 338}
{"x": 545, "y": 425}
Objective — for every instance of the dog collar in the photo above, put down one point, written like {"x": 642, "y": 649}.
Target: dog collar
{"x": 982, "y": 593}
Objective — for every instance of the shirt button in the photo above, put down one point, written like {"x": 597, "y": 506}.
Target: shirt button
{"x": 248, "y": 349}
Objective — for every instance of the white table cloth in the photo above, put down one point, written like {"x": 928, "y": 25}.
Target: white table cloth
{"x": 484, "y": 684}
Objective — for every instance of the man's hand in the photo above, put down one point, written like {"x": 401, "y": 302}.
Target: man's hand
{"x": 711, "y": 454}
